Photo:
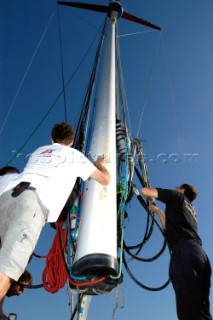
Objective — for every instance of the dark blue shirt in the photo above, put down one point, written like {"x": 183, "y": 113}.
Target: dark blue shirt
{"x": 181, "y": 219}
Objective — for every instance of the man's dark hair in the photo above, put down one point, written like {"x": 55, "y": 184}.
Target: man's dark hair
{"x": 25, "y": 279}
{"x": 8, "y": 169}
{"x": 190, "y": 191}
{"x": 63, "y": 132}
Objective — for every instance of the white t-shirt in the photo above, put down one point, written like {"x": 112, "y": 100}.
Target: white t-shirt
{"x": 53, "y": 170}
{"x": 5, "y": 180}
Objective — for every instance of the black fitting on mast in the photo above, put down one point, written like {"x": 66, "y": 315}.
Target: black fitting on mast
{"x": 116, "y": 7}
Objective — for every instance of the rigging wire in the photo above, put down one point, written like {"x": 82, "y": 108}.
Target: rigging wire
{"x": 135, "y": 256}
{"x": 148, "y": 86}
{"x": 145, "y": 180}
{"x": 47, "y": 283}
{"x": 54, "y": 275}
{"x": 120, "y": 80}
{"x": 149, "y": 81}
{"x": 83, "y": 19}
{"x": 26, "y": 72}
{"x": 82, "y": 126}
{"x": 54, "y": 102}
{"x": 174, "y": 108}
{"x": 134, "y": 33}
{"x": 121, "y": 211}
{"x": 62, "y": 66}
{"x": 122, "y": 91}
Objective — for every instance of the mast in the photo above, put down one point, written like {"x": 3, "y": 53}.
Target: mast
{"x": 97, "y": 239}
{"x": 96, "y": 251}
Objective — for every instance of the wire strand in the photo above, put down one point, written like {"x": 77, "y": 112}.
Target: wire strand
{"x": 54, "y": 102}
{"x": 25, "y": 74}
{"x": 148, "y": 87}
{"x": 62, "y": 66}
{"x": 174, "y": 108}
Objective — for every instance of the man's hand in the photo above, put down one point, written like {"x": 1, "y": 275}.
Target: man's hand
{"x": 100, "y": 161}
{"x": 101, "y": 174}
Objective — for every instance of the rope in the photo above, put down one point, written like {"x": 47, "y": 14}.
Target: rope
{"x": 55, "y": 273}
{"x": 122, "y": 208}
{"x": 69, "y": 249}
{"x": 118, "y": 304}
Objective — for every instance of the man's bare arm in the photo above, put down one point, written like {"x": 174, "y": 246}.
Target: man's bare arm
{"x": 150, "y": 193}
{"x": 160, "y": 214}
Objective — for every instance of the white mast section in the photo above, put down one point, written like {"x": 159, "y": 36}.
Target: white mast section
{"x": 84, "y": 307}
{"x": 97, "y": 237}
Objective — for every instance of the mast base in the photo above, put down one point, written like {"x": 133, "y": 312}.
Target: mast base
{"x": 97, "y": 264}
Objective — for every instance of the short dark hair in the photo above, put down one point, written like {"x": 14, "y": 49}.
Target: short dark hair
{"x": 190, "y": 191}
{"x": 8, "y": 169}
{"x": 63, "y": 132}
{"x": 25, "y": 279}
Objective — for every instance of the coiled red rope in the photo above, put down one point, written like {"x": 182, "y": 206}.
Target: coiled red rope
{"x": 55, "y": 273}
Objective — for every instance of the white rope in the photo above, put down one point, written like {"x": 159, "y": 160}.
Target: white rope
{"x": 119, "y": 304}
{"x": 134, "y": 33}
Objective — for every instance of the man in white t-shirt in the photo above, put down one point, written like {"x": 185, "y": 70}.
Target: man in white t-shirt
{"x": 39, "y": 194}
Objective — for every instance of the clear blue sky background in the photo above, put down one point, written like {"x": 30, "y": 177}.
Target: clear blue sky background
{"x": 177, "y": 120}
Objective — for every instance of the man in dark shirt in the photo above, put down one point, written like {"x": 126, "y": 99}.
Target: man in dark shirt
{"x": 189, "y": 269}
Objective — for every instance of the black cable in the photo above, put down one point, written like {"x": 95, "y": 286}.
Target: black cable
{"x": 82, "y": 125}
{"x": 139, "y": 283}
{"x": 135, "y": 256}
{"x": 143, "y": 203}
{"x": 80, "y": 298}
{"x": 29, "y": 286}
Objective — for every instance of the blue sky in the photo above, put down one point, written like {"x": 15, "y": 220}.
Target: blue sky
{"x": 176, "y": 125}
